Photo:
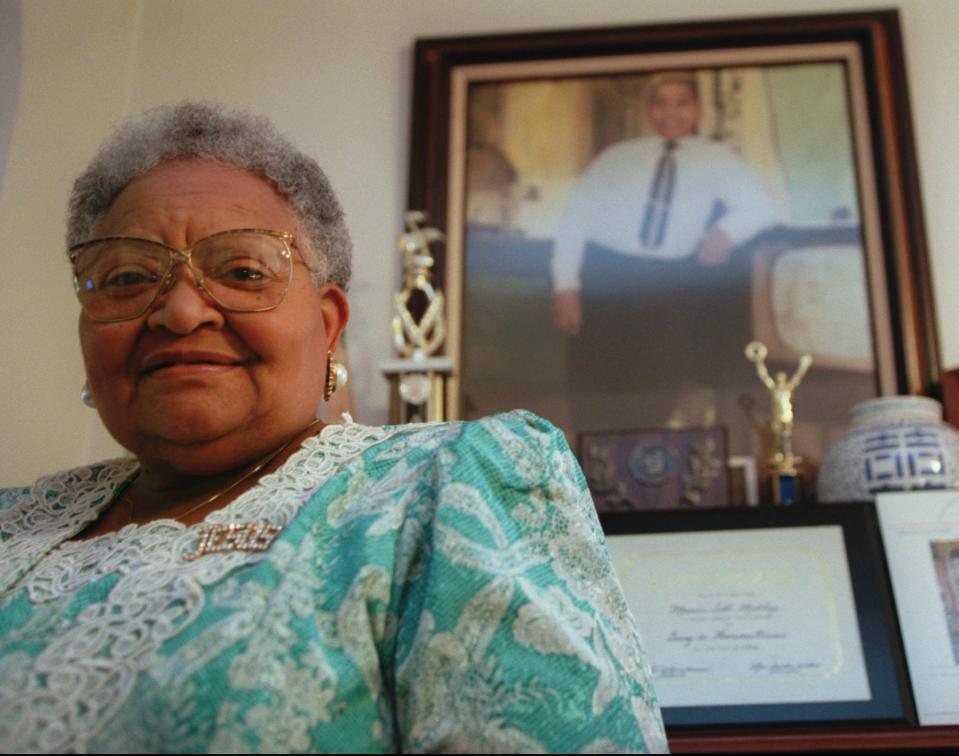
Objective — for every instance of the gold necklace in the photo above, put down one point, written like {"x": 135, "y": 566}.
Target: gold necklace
{"x": 246, "y": 476}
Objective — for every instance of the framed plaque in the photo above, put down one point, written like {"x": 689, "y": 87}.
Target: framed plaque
{"x": 656, "y": 469}
{"x": 761, "y": 616}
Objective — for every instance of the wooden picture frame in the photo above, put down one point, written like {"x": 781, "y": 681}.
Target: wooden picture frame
{"x": 505, "y": 348}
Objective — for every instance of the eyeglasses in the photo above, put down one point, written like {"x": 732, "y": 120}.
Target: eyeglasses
{"x": 243, "y": 270}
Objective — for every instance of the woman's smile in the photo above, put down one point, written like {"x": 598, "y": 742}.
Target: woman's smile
{"x": 167, "y": 364}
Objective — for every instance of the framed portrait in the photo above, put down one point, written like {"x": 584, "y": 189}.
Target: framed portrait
{"x": 920, "y": 530}
{"x": 763, "y": 615}
{"x": 627, "y": 208}
{"x": 656, "y": 469}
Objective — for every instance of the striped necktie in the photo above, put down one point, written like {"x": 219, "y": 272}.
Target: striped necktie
{"x": 656, "y": 214}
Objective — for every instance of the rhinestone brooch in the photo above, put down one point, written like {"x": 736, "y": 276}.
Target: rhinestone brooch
{"x": 217, "y": 539}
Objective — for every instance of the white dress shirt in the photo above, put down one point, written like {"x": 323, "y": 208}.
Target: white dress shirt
{"x": 607, "y": 203}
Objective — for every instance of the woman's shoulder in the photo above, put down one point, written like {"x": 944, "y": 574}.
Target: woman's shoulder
{"x": 86, "y": 485}
{"x": 501, "y": 425}
{"x": 503, "y": 458}
{"x": 10, "y": 496}
{"x": 515, "y": 437}
{"x": 95, "y": 473}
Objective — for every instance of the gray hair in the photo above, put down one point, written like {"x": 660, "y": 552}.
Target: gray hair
{"x": 208, "y": 131}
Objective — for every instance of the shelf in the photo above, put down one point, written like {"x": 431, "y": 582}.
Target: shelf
{"x": 813, "y": 739}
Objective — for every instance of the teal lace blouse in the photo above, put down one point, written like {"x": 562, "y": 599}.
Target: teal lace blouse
{"x": 423, "y": 588}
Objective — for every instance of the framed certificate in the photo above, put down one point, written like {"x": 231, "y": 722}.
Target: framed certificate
{"x": 763, "y": 615}
{"x": 920, "y": 530}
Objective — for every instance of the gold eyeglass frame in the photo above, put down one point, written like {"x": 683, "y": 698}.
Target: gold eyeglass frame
{"x": 168, "y": 278}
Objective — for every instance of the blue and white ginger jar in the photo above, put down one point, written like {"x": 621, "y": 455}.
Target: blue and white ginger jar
{"x": 894, "y": 443}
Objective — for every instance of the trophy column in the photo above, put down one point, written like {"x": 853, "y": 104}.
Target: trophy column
{"x": 418, "y": 378}
{"x": 418, "y": 389}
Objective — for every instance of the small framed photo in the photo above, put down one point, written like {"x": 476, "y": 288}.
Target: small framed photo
{"x": 920, "y": 530}
{"x": 656, "y": 469}
{"x": 743, "y": 482}
{"x": 760, "y": 616}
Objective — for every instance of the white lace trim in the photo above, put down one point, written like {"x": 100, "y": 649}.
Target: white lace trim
{"x": 81, "y": 680}
{"x": 57, "y": 507}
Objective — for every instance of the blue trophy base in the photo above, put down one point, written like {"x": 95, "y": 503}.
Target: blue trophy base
{"x": 785, "y": 489}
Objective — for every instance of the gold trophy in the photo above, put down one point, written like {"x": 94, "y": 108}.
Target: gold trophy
{"x": 783, "y": 463}
{"x": 418, "y": 379}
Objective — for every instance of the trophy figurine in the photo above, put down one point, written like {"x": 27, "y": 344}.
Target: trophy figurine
{"x": 418, "y": 379}
{"x": 783, "y": 463}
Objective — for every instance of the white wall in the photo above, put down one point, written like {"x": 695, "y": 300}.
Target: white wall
{"x": 335, "y": 76}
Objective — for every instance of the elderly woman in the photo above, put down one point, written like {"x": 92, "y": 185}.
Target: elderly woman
{"x": 250, "y": 580}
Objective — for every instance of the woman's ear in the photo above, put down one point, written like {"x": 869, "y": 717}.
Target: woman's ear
{"x": 335, "y": 311}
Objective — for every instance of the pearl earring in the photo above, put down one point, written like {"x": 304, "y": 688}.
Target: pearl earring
{"x": 86, "y": 397}
{"x": 336, "y": 376}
